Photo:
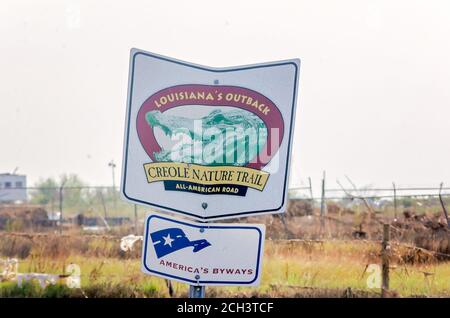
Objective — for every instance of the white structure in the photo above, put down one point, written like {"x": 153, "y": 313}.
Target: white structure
{"x": 13, "y": 187}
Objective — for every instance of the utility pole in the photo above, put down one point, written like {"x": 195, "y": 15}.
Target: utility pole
{"x": 113, "y": 166}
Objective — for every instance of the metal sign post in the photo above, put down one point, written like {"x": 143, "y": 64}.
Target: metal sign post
{"x": 197, "y": 291}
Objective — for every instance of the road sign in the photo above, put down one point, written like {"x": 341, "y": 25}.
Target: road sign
{"x": 203, "y": 254}
{"x": 205, "y": 142}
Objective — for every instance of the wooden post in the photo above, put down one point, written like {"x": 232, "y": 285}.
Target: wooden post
{"x": 385, "y": 248}
{"x": 395, "y": 201}
{"x": 443, "y": 205}
{"x": 113, "y": 166}
{"x": 312, "y": 195}
{"x": 135, "y": 220}
{"x": 102, "y": 199}
{"x": 286, "y": 229}
{"x": 322, "y": 206}
{"x": 105, "y": 211}
{"x": 61, "y": 198}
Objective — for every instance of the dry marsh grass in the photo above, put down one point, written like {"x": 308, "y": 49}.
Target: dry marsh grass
{"x": 290, "y": 269}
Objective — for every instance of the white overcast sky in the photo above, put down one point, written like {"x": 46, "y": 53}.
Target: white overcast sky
{"x": 374, "y": 100}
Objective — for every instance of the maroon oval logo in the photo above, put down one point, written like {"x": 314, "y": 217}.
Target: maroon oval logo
{"x": 213, "y": 95}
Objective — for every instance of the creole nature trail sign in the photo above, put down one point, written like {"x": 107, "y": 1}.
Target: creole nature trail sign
{"x": 203, "y": 254}
{"x": 209, "y": 143}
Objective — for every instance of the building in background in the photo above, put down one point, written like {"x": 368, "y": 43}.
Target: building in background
{"x": 12, "y": 188}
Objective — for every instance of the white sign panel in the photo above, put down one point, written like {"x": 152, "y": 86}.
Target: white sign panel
{"x": 206, "y": 142}
{"x": 203, "y": 254}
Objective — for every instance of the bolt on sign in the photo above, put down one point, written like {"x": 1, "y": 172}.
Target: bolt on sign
{"x": 202, "y": 253}
{"x": 205, "y": 142}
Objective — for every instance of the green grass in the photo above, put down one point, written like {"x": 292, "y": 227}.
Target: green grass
{"x": 288, "y": 270}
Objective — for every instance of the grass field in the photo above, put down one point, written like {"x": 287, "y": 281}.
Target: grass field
{"x": 290, "y": 269}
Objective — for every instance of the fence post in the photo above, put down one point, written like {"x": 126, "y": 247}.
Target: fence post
{"x": 311, "y": 193}
{"x": 102, "y": 199}
{"x": 385, "y": 261}
{"x": 113, "y": 166}
{"x": 135, "y": 219}
{"x": 443, "y": 205}
{"x": 61, "y": 198}
{"x": 322, "y": 205}
{"x": 395, "y": 201}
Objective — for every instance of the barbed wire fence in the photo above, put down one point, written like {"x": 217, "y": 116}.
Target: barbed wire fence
{"x": 64, "y": 203}
{"x": 390, "y": 202}
{"x": 377, "y": 205}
